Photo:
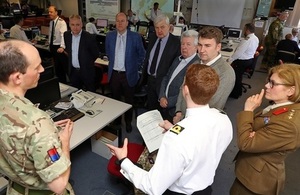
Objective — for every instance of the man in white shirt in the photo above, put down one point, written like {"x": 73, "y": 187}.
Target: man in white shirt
{"x": 191, "y": 150}
{"x": 243, "y": 58}
{"x": 155, "y": 11}
{"x": 295, "y": 32}
{"x": 132, "y": 18}
{"x": 90, "y": 26}
{"x": 16, "y": 31}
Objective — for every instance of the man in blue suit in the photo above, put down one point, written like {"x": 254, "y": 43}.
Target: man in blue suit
{"x": 171, "y": 83}
{"x": 125, "y": 53}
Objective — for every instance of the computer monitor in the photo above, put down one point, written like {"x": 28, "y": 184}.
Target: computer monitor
{"x": 45, "y": 93}
{"x": 101, "y": 23}
{"x": 44, "y": 30}
{"x": 234, "y": 33}
{"x": 177, "y": 30}
{"x": 143, "y": 30}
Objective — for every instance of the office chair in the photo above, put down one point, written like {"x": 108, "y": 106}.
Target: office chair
{"x": 285, "y": 56}
{"x": 250, "y": 69}
{"x": 140, "y": 99}
{"x": 134, "y": 152}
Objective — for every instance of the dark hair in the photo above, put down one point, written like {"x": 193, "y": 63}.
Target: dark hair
{"x": 156, "y": 4}
{"x": 202, "y": 82}
{"x": 17, "y": 19}
{"x": 250, "y": 27}
{"x": 91, "y": 19}
{"x": 11, "y": 60}
{"x": 210, "y": 32}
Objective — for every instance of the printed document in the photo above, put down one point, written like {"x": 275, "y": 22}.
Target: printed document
{"x": 152, "y": 133}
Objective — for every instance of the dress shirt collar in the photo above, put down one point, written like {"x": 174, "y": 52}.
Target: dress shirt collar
{"x": 124, "y": 34}
{"x": 188, "y": 58}
{"x": 273, "y": 106}
{"x": 197, "y": 110}
{"x": 164, "y": 39}
{"x": 212, "y": 61}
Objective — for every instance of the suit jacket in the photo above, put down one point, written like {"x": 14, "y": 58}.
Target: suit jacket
{"x": 260, "y": 162}
{"x": 87, "y": 53}
{"x": 174, "y": 87}
{"x": 134, "y": 55}
{"x": 227, "y": 81}
{"x": 288, "y": 45}
{"x": 171, "y": 51}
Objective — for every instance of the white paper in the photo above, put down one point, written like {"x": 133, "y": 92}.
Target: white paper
{"x": 152, "y": 133}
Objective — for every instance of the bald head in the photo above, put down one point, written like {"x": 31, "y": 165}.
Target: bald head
{"x": 52, "y": 11}
{"x": 16, "y": 56}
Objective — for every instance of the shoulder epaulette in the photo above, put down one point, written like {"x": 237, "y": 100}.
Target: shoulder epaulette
{"x": 177, "y": 129}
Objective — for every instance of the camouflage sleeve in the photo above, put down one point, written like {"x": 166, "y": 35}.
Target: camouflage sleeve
{"x": 44, "y": 147}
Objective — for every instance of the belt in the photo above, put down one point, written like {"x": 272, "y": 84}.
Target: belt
{"x": 206, "y": 191}
{"x": 21, "y": 190}
{"x": 119, "y": 71}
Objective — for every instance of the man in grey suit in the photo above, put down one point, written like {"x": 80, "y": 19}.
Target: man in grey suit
{"x": 209, "y": 46}
{"x": 171, "y": 83}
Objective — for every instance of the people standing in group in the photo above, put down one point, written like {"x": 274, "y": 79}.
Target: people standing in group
{"x": 209, "y": 46}
{"x": 82, "y": 50}
{"x": 163, "y": 48}
{"x": 125, "y": 51}
{"x": 191, "y": 150}
{"x": 154, "y": 12}
{"x": 265, "y": 138}
{"x": 57, "y": 28}
{"x": 243, "y": 57}
{"x": 35, "y": 151}
{"x": 90, "y": 26}
{"x": 273, "y": 37}
{"x": 17, "y": 32}
{"x": 171, "y": 82}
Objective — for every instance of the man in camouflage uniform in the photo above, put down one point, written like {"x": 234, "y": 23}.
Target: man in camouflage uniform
{"x": 34, "y": 151}
{"x": 273, "y": 37}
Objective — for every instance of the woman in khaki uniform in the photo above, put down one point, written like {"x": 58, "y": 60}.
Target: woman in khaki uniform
{"x": 266, "y": 138}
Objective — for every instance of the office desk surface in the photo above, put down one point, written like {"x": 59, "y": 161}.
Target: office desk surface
{"x": 85, "y": 127}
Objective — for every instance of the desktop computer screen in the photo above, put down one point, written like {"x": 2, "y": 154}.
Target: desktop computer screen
{"x": 44, "y": 30}
{"x": 45, "y": 93}
{"x": 234, "y": 33}
{"x": 143, "y": 30}
{"x": 101, "y": 23}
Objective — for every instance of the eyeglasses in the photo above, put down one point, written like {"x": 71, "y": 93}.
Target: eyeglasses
{"x": 273, "y": 83}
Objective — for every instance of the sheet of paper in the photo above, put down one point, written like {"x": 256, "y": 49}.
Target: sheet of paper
{"x": 152, "y": 133}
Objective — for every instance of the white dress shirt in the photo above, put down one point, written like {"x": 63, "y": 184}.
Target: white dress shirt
{"x": 91, "y": 28}
{"x": 60, "y": 27}
{"x": 18, "y": 33}
{"x": 186, "y": 161}
{"x": 246, "y": 48}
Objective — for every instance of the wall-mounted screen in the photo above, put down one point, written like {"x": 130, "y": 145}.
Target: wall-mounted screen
{"x": 284, "y": 4}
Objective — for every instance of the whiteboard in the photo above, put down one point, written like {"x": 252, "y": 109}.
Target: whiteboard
{"x": 218, "y": 12}
{"x": 104, "y": 9}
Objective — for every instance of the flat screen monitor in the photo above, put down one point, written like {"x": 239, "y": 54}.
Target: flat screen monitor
{"x": 284, "y": 4}
{"x": 177, "y": 30}
{"x": 101, "y": 23}
{"x": 142, "y": 30}
{"x": 45, "y": 30}
{"x": 234, "y": 33}
{"x": 45, "y": 93}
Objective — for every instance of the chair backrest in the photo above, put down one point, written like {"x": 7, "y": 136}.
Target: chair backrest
{"x": 250, "y": 69}
{"x": 285, "y": 56}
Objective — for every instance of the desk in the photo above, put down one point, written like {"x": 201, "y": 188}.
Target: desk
{"x": 66, "y": 90}
{"x": 232, "y": 45}
{"x": 85, "y": 127}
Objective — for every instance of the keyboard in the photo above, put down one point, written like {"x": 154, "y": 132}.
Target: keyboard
{"x": 71, "y": 113}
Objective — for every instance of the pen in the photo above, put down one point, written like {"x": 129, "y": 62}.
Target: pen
{"x": 93, "y": 102}
{"x": 102, "y": 101}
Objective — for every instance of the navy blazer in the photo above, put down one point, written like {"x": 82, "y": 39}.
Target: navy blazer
{"x": 87, "y": 53}
{"x": 171, "y": 51}
{"x": 134, "y": 55}
{"x": 174, "y": 87}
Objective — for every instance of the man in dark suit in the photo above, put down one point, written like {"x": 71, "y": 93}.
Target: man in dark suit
{"x": 125, "y": 51}
{"x": 162, "y": 50}
{"x": 171, "y": 83}
{"x": 287, "y": 49}
{"x": 82, "y": 51}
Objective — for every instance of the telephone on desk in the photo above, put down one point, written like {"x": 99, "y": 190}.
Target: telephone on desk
{"x": 80, "y": 97}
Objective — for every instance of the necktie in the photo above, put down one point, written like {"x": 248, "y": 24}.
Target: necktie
{"x": 154, "y": 60}
{"x": 120, "y": 54}
{"x": 52, "y": 33}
